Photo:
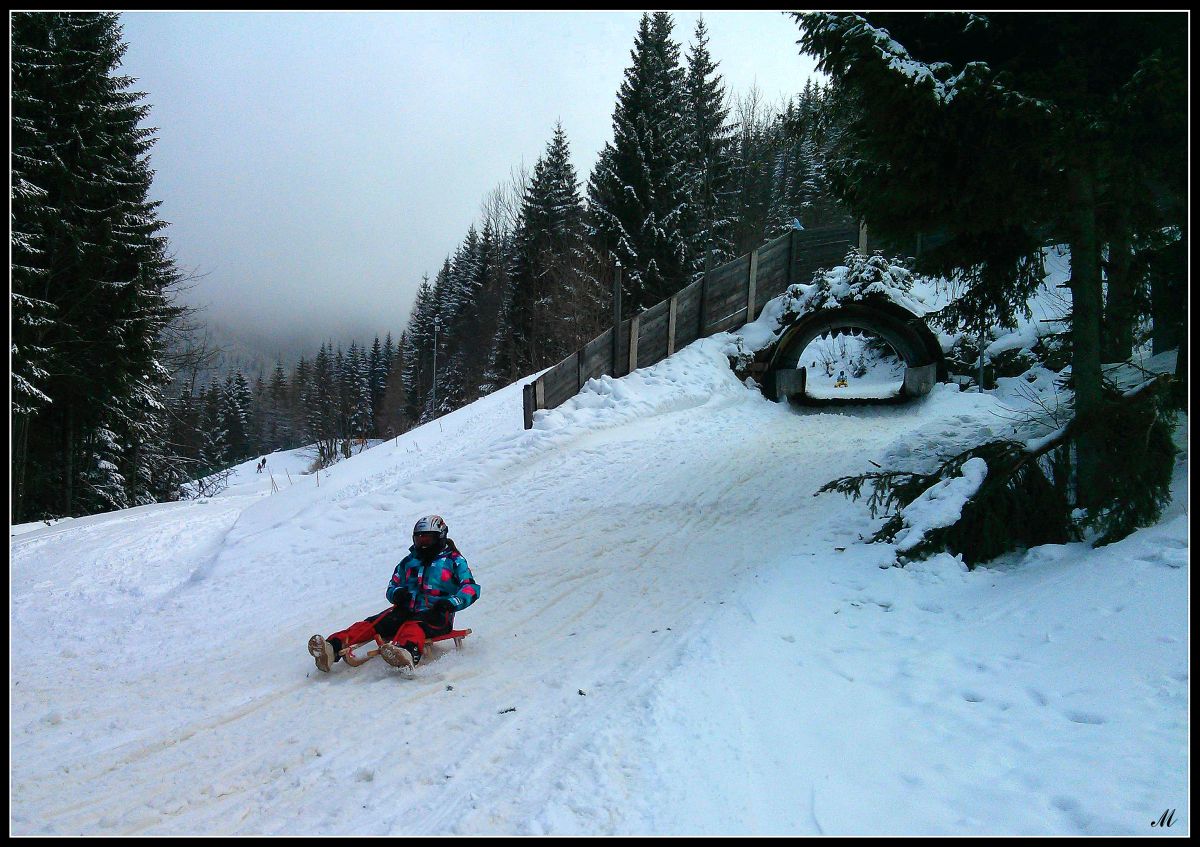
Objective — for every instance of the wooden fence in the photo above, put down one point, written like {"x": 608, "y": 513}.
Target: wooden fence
{"x": 727, "y": 296}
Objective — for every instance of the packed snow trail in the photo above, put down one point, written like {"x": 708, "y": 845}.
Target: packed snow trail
{"x": 669, "y": 639}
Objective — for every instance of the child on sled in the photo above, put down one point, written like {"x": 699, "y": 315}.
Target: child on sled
{"x": 429, "y": 585}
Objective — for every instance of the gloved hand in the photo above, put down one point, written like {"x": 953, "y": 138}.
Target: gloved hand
{"x": 444, "y": 606}
{"x": 402, "y": 598}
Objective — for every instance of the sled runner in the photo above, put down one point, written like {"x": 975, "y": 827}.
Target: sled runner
{"x": 347, "y": 653}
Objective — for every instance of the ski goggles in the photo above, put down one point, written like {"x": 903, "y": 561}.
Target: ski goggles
{"x": 426, "y": 539}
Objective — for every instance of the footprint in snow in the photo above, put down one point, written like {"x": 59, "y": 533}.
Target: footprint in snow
{"x": 1173, "y": 558}
{"x": 1090, "y": 718}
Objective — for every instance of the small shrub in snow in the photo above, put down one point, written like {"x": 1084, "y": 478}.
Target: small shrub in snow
{"x": 861, "y": 279}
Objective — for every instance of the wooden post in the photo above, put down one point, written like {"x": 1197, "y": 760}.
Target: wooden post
{"x": 578, "y": 370}
{"x": 616, "y": 338}
{"x": 633, "y": 340}
{"x": 527, "y": 397}
{"x": 750, "y": 289}
{"x": 671, "y": 324}
{"x": 704, "y": 294}
{"x": 539, "y": 394}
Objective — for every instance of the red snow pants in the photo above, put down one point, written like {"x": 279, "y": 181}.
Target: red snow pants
{"x": 402, "y": 626}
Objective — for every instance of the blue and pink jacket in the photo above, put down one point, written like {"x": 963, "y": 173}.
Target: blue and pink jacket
{"x": 446, "y": 577}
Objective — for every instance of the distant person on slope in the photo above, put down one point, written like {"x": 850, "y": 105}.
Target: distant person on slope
{"x": 429, "y": 585}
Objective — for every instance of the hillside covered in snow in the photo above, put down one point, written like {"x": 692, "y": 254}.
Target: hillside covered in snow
{"x": 674, "y": 636}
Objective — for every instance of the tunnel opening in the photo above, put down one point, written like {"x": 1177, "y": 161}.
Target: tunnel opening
{"x": 895, "y": 354}
{"x": 851, "y": 364}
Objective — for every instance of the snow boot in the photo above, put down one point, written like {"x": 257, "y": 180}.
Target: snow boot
{"x": 400, "y": 657}
{"x": 322, "y": 651}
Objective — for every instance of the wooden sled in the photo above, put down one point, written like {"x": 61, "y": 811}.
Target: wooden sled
{"x": 347, "y": 653}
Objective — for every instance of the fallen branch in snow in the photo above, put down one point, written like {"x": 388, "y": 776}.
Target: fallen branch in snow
{"x": 1024, "y": 497}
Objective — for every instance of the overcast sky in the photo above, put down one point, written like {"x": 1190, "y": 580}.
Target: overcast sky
{"x": 313, "y": 166}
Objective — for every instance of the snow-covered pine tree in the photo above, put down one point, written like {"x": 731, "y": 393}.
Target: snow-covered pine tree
{"x": 418, "y": 336}
{"x": 100, "y": 481}
{"x": 552, "y": 291}
{"x": 821, "y": 124}
{"x": 298, "y": 398}
{"x": 32, "y": 315}
{"x": 377, "y": 371}
{"x": 358, "y": 377}
{"x": 214, "y": 450}
{"x": 501, "y": 370}
{"x": 393, "y": 415}
{"x": 454, "y": 294}
{"x": 463, "y": 343}
{"x": 709, "y": 220}
{"x": 236, "y": 402}
{"x": 491, "y": 301}
{"x": 341, "y": 394}
{"x": 638, "y": 192}
{"x": 321, "y": 406}
{"x": 89, "y": 336}
{"x": 390, "y": 349}
{"x": 347, "y": 367}
{"x": 277, "y": 429}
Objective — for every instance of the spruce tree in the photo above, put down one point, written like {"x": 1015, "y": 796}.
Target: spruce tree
{"x": 389, "y": 355}
{"x": 278, "y": 429}
{"x": 551, "y": 286}
{"x": 321, "y": 406}
{"x": 31, "y": 214}
{"x": 452, "y": 295}
{"x": 638, "y": 193}
{"x": 418, "y": 348}
{"x": 359, "y": 384}
{"x": 497, "y": 287}
{"x": 298, "y": 398}
{"x": 459, "y": 322}
{"x": 393, "y": 415}
{"x": 215, "y": 454}
{"x": 91, "y": 274}
{"x": 709, "y": 221}
{"x": 236, "y": 421}
{"x": 501, "y": 368}
{"x": 377, "y": 370}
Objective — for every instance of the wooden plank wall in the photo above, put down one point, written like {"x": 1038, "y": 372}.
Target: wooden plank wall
{"x": 731, "y": 295}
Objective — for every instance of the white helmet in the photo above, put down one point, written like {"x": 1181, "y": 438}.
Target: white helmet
{"x": 427, "y": 527}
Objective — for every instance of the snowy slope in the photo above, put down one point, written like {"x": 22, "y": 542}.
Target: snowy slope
{"x": 673, "y": 637}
